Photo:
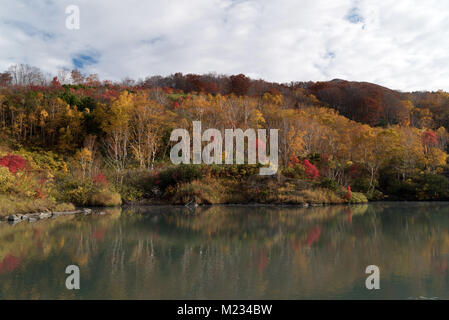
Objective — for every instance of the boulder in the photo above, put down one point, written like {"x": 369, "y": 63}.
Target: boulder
{"x": 44, "y": 215}
{"x": 14, "y": 217}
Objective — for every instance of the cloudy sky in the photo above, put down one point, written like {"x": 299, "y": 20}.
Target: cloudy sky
{"x": 402, "y": 44}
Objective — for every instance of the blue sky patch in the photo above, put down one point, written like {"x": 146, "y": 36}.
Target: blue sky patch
{"x": 30, "y": 30}
{"x": 82, "y": 60}
{"x": 354, "y": 16}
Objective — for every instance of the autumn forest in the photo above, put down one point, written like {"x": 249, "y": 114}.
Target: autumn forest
{"x": 73, "y": 139}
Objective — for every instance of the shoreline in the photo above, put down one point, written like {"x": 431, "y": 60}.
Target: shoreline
{"x": 88, "y": 210}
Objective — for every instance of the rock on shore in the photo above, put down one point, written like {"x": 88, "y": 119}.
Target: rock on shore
{"x": 33, "y": 217}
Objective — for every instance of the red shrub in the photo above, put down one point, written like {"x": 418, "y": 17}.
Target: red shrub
{"x": 100, "y": 179}
{"x": 13, "y": 163}
{"x": 294, "y": 160}
{"x": 348, "y": 195}
{"x": 311, "y": 170}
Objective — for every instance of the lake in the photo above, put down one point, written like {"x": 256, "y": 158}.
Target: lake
{"x": 232, "y": 252}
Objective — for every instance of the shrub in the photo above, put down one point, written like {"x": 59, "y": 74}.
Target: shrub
{"x": 6, "y": 180}
{"x": 361, "y": 184}
{"x": 172, "y": 176}
{"x": 13, "y": 162}
{"x": 79, "y": 195}
{"x": 432, "y": 187}
{"x": 63, "y": 206}
{"x": 329, "y": 184}
{"x": 311, "y": 170}
{"x": 41, "y": 160}
{"x": 100, "y": 179}
{"x": 201, "y": 192}
{"x": 235, "y": 171}
{"x": 348, "y": 195}
{"x": 73, "y": 190}
{"x": 419, "y": 187}
{"x": 358, "y": 197}
{"x": 131, "y": 193}
{"x": 105, "y": 198}
{"x": 296, "y": 172}
{"x": 375, "y": 195}
{"x": 320, "y": 196}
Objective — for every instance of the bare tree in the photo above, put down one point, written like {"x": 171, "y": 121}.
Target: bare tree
{"x": 24, "y": 75}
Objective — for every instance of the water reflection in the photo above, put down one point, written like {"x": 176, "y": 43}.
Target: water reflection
{"x": 238, "y": 252}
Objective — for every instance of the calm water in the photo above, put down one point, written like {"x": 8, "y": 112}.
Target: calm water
{"x": 238, "y": 252}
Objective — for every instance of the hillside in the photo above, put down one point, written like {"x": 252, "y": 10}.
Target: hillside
{"x": 102, "y": 143}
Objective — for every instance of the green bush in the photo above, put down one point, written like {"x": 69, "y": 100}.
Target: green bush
{"x": 375, "y": 195}
{"x": 235, "y": 171}
{"x": 296, "y": 172}
{"x": 40, "y": 160}
{"x": 419, "y": 187}
{"x": 136, "y": 185}
{"x": 131, "y": 193}
{"x": 69, "y": 189}
{"x": 358, "y": 197}
{"x": 361, "y": 184}
{"x": 432, "y": 187}
{"x": 329, "y": 184}
{"x": 172, "y": 176}
{"x": 84, "y": 192}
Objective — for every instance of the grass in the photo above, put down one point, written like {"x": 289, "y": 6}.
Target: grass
{"x": 105, "y": 199}
{"x": 17, "y": 205}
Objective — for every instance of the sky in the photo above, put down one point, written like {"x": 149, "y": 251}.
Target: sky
{"x": 401, "y": 44}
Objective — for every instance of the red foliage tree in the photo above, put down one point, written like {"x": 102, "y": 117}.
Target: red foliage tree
{"x": 55, "y": 82}
{"x": 429, "y": 139}
{"x": 240, "y": 84}
{"x": 361, "y": 101}
{"x": 5, "y": 79}
{"x": 211, "y": 87}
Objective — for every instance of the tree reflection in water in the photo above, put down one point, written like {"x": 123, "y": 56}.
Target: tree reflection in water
{"x": 223, "y": 252}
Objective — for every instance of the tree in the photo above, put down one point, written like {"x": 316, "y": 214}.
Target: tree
{"x": 84, "y": 158}
{"x": 25, "y": 75}
{"x": 115, "y": 120}
{"x": 240, "y": 84}
{"x": 5, "y": 79}
{"x": 149, "y": 120}
{"x": 77, "y": 77}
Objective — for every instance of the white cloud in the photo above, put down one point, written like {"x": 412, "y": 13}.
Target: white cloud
{"x": 397, "y": 43}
